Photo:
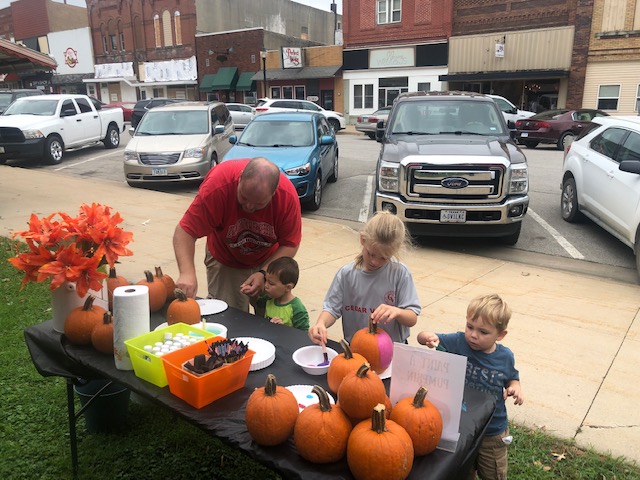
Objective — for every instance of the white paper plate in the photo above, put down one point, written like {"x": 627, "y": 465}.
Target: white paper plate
{"x": 216, "y": 328}
{"x": 304, "y": 396}
{"x": 211, "y": 306}
{"x": 386, "y": 373}
{"x": 265, "y": 352}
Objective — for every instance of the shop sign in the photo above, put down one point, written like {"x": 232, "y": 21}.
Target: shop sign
{"x": 392, "y": 57}
{"x": 291, "y": 57}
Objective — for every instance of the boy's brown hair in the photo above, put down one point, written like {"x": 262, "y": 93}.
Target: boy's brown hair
{"x": 286, "y": 269}
{"x": 492, "y": 309}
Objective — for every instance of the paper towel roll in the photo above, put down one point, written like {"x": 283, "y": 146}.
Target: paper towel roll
{"x": 131, "y": 318}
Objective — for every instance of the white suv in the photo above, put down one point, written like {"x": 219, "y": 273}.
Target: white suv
{"x": 601, "y": 178}
{"x": 510, "y": 112}
{"x": 335, "y": 119}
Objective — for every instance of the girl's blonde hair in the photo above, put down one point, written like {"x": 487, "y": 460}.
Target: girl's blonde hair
{"x": 492, "y": 309}
{"x": 386, "y": 232}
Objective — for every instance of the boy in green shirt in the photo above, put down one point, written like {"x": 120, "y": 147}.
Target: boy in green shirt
{"x": 279, "y": 303}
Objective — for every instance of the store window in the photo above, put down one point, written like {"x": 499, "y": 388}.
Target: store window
{"x": 424, "y": 86}
{"x": 275, "y": 92}
{"x": 390, "y": 88}
{"x": 389, "y": 11}
{"x": 363, "y": 96}
{"x": 287, "y": 92}
{"x": 299, "y": 90}
{"x": 608, "y": 96}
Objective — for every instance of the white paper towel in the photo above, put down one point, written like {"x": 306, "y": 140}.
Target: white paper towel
{"x": 130, "y": 318}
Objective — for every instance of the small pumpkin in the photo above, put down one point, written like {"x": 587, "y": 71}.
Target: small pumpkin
{"x": 374, "y": 344}
{"x": 271, "y": 413}
{"x": 342, "y": 364}
{"x": 157, "y": 291}
{"x": 81, "y": 321}
{"x": 422, "y": 421}
{"x": 379, "y": 449}
{"x": 114, "y": 281}
{"x": 183, "y": 309}
{"x": 102, "y": 334}
{"x": 168, "y": 282}
{"x": 322, "y": 430}
{"x": 360, "y": 391}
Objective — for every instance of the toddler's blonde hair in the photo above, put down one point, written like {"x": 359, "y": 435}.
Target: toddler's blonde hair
{"x": 492, "y": 309}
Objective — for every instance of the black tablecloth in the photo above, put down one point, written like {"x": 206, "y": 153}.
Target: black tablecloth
{"x": 54, "y": 356}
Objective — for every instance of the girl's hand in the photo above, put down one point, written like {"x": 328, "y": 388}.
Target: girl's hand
{"x": 318, "y": 334}
{"x": 384, "y": 313}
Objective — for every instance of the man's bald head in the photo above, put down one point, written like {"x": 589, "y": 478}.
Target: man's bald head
{"x": 258, "y": 183}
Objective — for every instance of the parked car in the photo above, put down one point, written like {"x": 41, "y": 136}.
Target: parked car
{"x": 7, "y": 97}
{"x": 302, "y": 144}
{"x": 335, "y": 119}
{"x": 143, "y": 106}
{"x": 510, "y": 112}
{"x": 177, "y": 142}
{"x": 241, "y": 114}
{"x": 601, "y": 178}
{"x": 367, "y": 123}
{"x": 554, "y": 126}
{"x": 127, "y": 108}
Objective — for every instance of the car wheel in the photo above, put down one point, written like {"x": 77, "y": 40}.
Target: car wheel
{"x": 335, "y": 124}
{"x": 313, "y": 203}
{"x": 334, "y": 175}
{"x": 53, "y": 150}
{"x": 371, "y": 135}
{"x": 531, "y": 144}
{"x": 565, "y": 140}
{"x": 512, "y": 239}
{"x": 569, "y": 200}
{"x": 112, "y": 140}
{"x": 3, "y": 159}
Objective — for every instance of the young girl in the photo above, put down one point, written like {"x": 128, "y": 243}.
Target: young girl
{"x": 374, "y": 286}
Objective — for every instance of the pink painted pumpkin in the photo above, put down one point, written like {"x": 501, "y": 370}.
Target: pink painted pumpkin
{"x": 374, "y": 344}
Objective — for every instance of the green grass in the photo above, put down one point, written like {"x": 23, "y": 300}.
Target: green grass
{"x": 34, "y": 435}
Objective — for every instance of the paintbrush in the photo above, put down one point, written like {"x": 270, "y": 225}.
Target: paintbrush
{"x": 324, "y": 355}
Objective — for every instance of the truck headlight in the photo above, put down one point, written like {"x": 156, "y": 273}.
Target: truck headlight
{"x": 29, "y": 134}
{"x": 388, "y": 176}
{"x": 194, "y": 153}
{"x": 519, "y": 183}
{"x": 130, "y": 156}
{"x": 299, "y": 171}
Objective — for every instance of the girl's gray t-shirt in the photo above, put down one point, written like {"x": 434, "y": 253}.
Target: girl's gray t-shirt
{"x": 354, "y": 294}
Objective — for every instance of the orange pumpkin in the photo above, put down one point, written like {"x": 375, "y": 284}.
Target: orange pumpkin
{"x": 342, "y": 364}
{"x": 168, "y": 282}
{"x": 81, "y": 321}
{"x": 379, "y": 449}
{"x": 271, "y": 413}
{"x": 422, "y": 421}
{"x": 102, "y": 335}
{"x": 157, "y": 291}
{"x": 360, "y": 391}
{"x": 322, "y": 430}
{"x": 374, "y": 344}
{"x": 114, "y": 281}
{"x": 183, "y": 309}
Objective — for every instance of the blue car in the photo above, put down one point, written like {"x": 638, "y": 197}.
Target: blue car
{"x": 302, "y": 144}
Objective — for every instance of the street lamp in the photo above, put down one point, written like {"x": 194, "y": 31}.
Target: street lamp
{"x": 263, "y": 56}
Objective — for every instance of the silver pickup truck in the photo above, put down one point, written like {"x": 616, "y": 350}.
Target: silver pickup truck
{"x": 448, "y": 167}
{"x": 46, "y": 126}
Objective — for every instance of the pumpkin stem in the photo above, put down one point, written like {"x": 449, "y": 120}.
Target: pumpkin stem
{"x": 378, "y": 419}
{"x": 112, "y": 272}
{"x": 348, "y": 354}
{"x": 106, "y": 318}
{"x": 325, "y": 404}
{"x": 149, "y": 276}
{"x": 159, "y": 273}
{"x": 373, "y": 327}
{"x": 418, "y": 400}
{"x": 270, "y": 385}
{"x": 88, "y": 303}
{"x": 363, "y": 369}
{"x": 180, "y": 295}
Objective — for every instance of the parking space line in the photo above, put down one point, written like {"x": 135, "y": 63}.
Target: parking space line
{"x": 366, "y": 201}
{"x": 564, "y": 243}
{"x": 83, "y": 161}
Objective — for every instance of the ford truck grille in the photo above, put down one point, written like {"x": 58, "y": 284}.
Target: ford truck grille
{"x": 162, "y": 158}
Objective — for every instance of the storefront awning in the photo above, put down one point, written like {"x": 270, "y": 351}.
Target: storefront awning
{"x": 225, "y": 79}
{"x": 519, "y": 75}
{"x": 246, "y": 83}
{"x": 18, "y": 58}
{"x": 207, "y": 81}
{"x": 299, "y": 73}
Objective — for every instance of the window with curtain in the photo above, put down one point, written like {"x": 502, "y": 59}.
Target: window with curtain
{"x": 166, "y": 29}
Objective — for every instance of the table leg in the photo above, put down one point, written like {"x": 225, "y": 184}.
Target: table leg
{"x": 72, "y": 428}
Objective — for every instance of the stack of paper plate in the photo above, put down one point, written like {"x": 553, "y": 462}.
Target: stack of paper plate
{"x": 211, "y": 306}
{"x": 265, "y": 352}
{"x": 304, "y": 396}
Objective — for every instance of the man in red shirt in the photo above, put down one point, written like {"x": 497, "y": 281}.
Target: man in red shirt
{"x": 250, "y": 213}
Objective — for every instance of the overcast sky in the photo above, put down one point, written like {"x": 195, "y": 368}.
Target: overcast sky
{"x": 321, "y": 4}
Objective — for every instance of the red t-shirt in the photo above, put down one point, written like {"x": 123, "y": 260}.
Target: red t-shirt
{"x": 237, "y": 238}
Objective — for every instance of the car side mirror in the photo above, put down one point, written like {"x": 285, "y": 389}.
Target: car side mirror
{"x": 233, "y": 139}
{"x": 68, "y": 112}
{"x": 132, "y": 131}
{"x": 379, "y": 130}
{"x": 218, "y": 129}
{"x": 326, "y": 140}
{"x": 630, "y": 166}
{"x": 512, "y": 134}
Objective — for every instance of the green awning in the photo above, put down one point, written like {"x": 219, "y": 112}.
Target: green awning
{"x": 207, "y": 81}
{"x": 226, "y": 79}
{"x": 245, "y": 82}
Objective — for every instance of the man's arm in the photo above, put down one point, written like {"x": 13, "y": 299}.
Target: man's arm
{"x": 184, "y": 247}
{"x": 254, "y": 285}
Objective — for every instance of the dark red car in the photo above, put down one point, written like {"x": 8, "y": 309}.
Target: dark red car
{"x": 127, "y": 108}
{"x": 554, "y": 126}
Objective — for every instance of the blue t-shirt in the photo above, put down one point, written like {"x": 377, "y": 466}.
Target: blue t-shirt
{"x": 487, "y": 372}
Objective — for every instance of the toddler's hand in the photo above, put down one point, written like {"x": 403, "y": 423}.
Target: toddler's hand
{"x": 515, "y": 392}
{"x": 277, "y": 321}
{"x": 428, "y": 339}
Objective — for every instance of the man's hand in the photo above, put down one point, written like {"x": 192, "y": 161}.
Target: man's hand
{"x": 188, "y": 284}
{"x": 254, "y": 285}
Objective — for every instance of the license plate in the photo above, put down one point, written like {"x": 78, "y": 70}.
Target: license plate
{"x": 453, "y": 216}
{"x": 1, "y": 149}
{"x": 524, "y": 134}
{"x": 159, "y": 171}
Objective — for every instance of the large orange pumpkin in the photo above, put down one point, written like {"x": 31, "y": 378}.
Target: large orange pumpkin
{"x": 157, "y": 291}
{"x": 81, "y": 321}
{"x": 102, "y": 334}
{"x": 322, "y": 430}
{"x": 342, "y": 364}
{"x": 360, "y": 391}
{"x": 422, "y": 421}
{"x": 183, "y": 309}
{"x": 379, "y": 449}
{"x": 271, "y": 413}
{"x": 374, "y": 344}
{"x": 168, "y": 282}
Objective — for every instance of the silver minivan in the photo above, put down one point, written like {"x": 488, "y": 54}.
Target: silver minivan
{"x": 177, "y": 142}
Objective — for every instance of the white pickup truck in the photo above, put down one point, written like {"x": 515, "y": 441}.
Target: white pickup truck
{"x": 46, "y": 126}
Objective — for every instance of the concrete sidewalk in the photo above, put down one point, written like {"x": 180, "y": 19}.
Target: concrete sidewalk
{"x": 576, "y": 337}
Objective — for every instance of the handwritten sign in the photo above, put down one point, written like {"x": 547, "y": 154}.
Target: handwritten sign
{"x": 442, "y": 374}
{"x": 392, "y": 57}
